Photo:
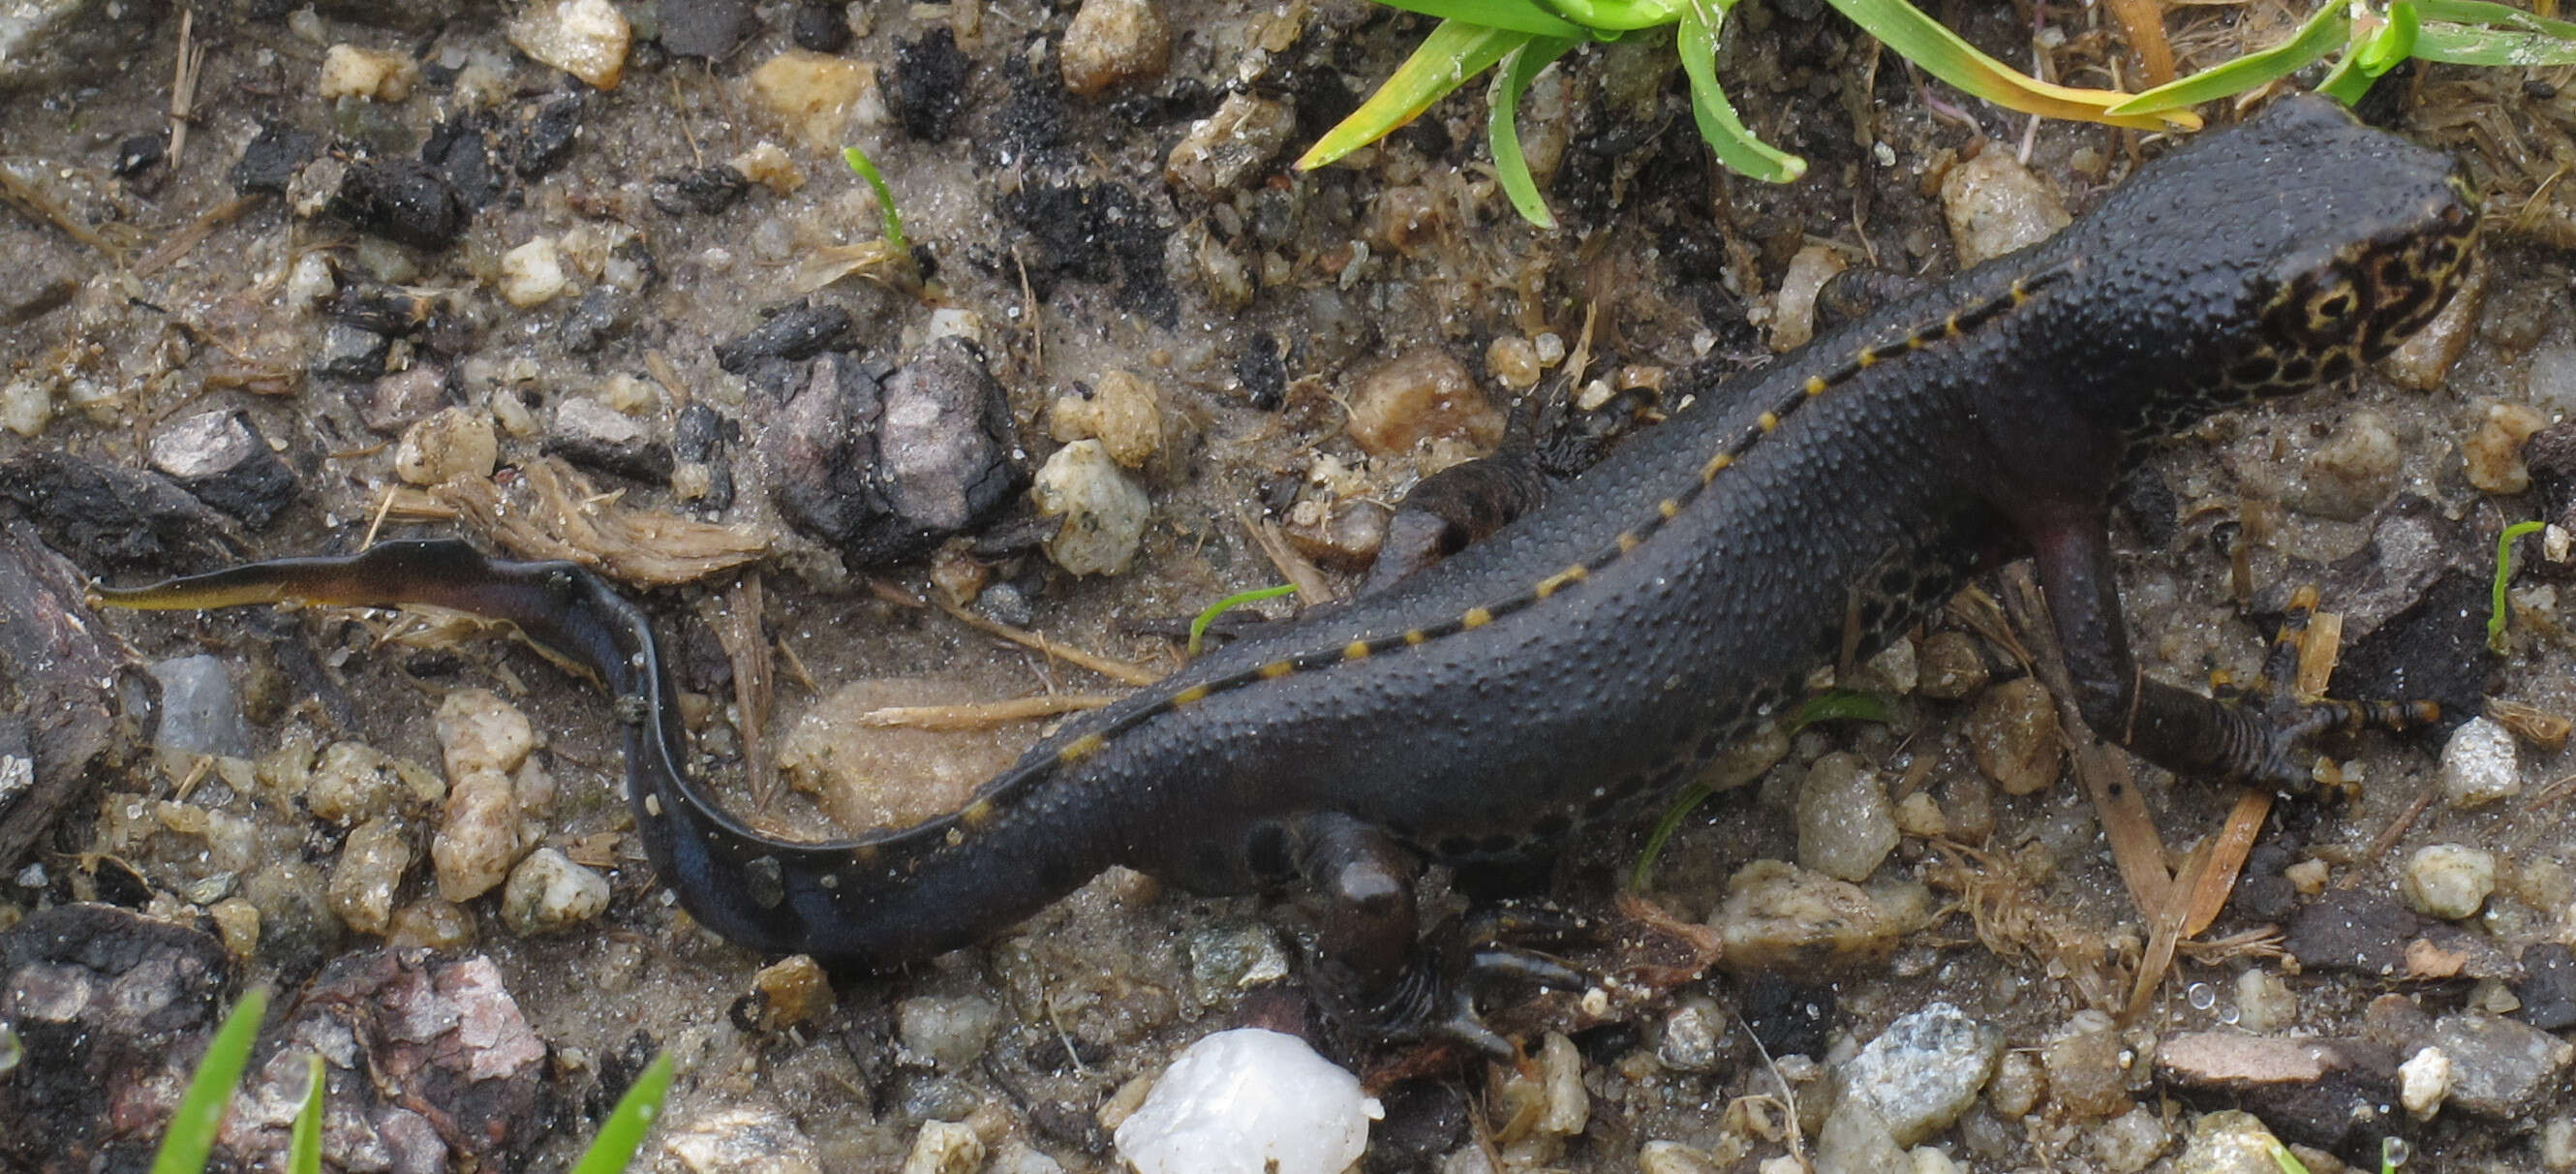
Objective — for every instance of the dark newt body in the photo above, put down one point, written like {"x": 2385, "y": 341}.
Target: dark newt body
{"x": 1596, "y": 651}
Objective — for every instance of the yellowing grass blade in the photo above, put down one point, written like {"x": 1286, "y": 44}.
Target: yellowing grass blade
{"x": 1453, "y": 52}
{"x": 2330, "y": 28}
{"x": 1922, "y": 40}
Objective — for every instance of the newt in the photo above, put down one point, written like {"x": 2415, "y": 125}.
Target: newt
{"x": 1589, "y": 655}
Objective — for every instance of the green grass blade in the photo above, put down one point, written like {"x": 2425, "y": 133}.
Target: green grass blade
{"x": 2329, "y": 28}
{"x": 2504, "y": 574}
{"x": 1835, "y": 705}
{"x": 1613, "y": 17}
{"x": 2372, "y": 54}
{"x": 1735, "y": 146}
{"x": 623, "y": 1133}
{"x": 1453, "y": 52}
{"x": 867, "y": 169}
{"x": 1665, "y": 825}
{"x": 2456, "y": 45}
{"x": 1502, "y": 131}
{"x": 1199, "y": 625}
{"x": 190, "y": 1137}
{"x": 2479, "y": 12}
{"x": 1519, "y": 16}
{"x": 304, "y": 1144}
{"x": 1923, "y": 40}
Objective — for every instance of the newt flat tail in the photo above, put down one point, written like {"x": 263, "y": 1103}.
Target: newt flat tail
{"x": 1591, "y": 654}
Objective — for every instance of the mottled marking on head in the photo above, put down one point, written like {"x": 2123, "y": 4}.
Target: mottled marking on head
{"x": 1082, "y": 748}
{"x": 1476, "y": 617}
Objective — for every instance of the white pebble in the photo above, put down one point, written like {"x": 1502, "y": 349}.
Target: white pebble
{"x": 2480, "y": 765}
{"x": 1245, "y": 1102}
{"x": 2423, "y": 1082}
{"x": 2448, "y": 881}
{"x": 548, "y": 892}
{"x": 1104, "y": 513}
{"x": 532, "y": 274}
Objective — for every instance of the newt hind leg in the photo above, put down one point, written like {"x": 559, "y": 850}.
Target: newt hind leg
{"x": 2283, "y": 719}
{"x": 1376, "y": 973}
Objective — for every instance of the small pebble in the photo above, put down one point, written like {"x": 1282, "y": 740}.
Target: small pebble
{"x": 793, "y": 991}
{"x": 1343, "y": 536}
{"x": 1248, "y": 1101}
{"x": 2013, "y": 735}
{"x": 353, "y": 782}
{"x": 1124, "y": 412}
{"x": 741, "y": 1141}
{"x": 1995, "y": 205}
{"x": 819, "y": 96}
{"x": 821, "y": 27}
{"x": 483, "y": 829}
{"x": 368, "y": 874}
{"x": 944, "y": 1147}
{"x": 2492, "y": 452}
{"x": 2480, "y": 764}
{"x": 2018, "y": 1085}
{"x": 1949, "y": 667}
{"x": 1693, "y": 1036}
{"x": 2357, "y": 467}
{"x": 2264, "y": 1003}
{"x": 201, "y": 711}
{"x": 2229, "y": 1141}
{"x": 1778, "y": 916}
{"x": 532, "y": 274}
{"x": 1513, "y": 362}
{"x": 2132, "y": 1141}
{"x": 450, "y": 443}
{"x": 431, "y": 924}
{"x": 1793, "y": 312}
{"x": 1923, "y": 1071}
{"x": 548, "y": 892}
{"x": 585, "y": 38}
{"x": 2558, "y": 1144}
{"x": 2500, "y": 1069}
{"x": 1424, "y": 395}
{"x": 949, "y": 1032}
{"x": 220, "y": 457}
{"x": 1672, "y": 1157}
{"x": 2424, "y": 1082}
{"x": 26, "y": 406}
{"x": 2449, "y": 881}
{"x": 1113, "y": 41}
{"x": 1104, "y": 513}
{"x": 237, "y": 922}
{"x": 1227, "y": 149}
{"x": 350, "y": 71}
{"x": 2309, "y": 876}
{"x": 2084, "y": 1074}
{"x": 2423, "y": 361}
{"x": 1919, "y": 815}
{"x": 1845, "y": 824}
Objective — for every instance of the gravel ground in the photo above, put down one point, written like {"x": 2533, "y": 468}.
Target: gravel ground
{"x": 398, "y": 253}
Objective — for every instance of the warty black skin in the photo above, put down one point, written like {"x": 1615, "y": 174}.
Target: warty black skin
{"x": 1595, "y": 651}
